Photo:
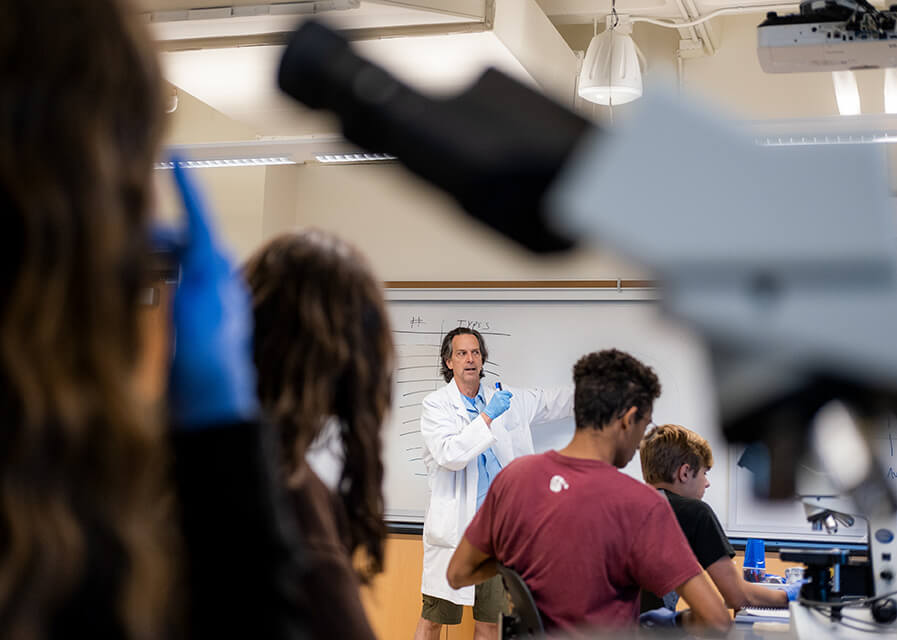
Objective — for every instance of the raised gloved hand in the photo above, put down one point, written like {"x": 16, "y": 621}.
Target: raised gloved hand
{"x": 498, "y": 404}
{"x": 662, "y": 617}
{"x": 212, "y": 378}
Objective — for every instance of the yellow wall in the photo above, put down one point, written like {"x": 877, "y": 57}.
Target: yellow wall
{"x": 393, "y": 601}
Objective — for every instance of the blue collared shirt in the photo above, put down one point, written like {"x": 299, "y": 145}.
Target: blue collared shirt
{"x": 488, "y": 465}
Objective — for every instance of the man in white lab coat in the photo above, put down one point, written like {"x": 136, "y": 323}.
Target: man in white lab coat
{"x": 470, "y": 432}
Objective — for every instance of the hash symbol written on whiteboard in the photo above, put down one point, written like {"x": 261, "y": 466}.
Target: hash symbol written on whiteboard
{"x": 416, "y": 321}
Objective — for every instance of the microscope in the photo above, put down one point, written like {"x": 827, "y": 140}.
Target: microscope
{"x": 784, "y": 260}
{"x": 845, "y": 597}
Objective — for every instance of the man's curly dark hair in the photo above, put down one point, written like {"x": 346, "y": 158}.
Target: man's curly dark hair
{"x": 608, "y": 383}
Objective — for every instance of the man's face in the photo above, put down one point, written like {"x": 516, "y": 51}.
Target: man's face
{"x": 467, "y": 361}
{"x": 634, "y": 437}
{"x": 694, "y": 484}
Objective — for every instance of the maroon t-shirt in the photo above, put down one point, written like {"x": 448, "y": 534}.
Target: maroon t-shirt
{"x": 584, "y": 537}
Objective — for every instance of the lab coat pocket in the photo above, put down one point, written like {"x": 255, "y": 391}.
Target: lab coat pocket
{"x": 441, "y": 523}
{"x": 506, "y": 422}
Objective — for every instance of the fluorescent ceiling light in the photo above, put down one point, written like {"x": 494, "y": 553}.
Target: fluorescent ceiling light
{"x": 349, "y": 158}
{"x": 877, "y": 128}
{"x": 846, "y": 93}
{"x": 882, "y": 137}
{"x": 228, "y": 162}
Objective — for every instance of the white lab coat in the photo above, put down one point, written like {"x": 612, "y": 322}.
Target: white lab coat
{"x": 451, "y": 446}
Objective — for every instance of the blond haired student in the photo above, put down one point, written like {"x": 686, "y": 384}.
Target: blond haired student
{"x": 675, "y": 461}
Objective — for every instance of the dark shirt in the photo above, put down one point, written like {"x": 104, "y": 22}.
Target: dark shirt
{"x": 330, "y": 585}
{"x": 703, "y": 531}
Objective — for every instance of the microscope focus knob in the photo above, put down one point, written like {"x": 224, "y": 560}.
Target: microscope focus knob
{"x": 884, "y": 610}
{"x": 886, "y": 575}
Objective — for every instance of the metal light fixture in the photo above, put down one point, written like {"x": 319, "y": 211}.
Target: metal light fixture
{"x": 611, "y": 73}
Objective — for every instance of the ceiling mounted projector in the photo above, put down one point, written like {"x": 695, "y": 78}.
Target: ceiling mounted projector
{"x": 828, "y": 35}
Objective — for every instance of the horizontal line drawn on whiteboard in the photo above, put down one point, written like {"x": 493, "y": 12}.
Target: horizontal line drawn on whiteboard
{"x": 410, "y": 433}
{"x": 411, "y": 393}
{"x": 413, "y": 448}
{"x": 421, "y": 474}
{"x": 410, "y": 421}
{"x": 442, "y": 333}
{"x": 417, "y": 366}
{"x": 416, "y": 405}
{"x": 414, "y": 459}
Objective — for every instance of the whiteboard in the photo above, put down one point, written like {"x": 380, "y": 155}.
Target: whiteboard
{"x": 534, "y": 336}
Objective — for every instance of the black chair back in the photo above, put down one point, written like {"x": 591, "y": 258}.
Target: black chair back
{"x": 524, "y": 620}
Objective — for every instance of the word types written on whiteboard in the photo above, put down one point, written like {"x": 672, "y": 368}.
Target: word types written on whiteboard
{"x": 479, "y": 325}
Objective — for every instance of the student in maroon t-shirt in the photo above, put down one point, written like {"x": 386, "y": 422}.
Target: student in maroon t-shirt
{"x": 585, "y": 537}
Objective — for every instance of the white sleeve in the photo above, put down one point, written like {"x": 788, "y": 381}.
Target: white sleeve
{"x": 546, "y": 405}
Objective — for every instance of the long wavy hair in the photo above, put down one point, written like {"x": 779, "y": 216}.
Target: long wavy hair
{"x": 323, "y": 349}
{"x": 82, "y": 504}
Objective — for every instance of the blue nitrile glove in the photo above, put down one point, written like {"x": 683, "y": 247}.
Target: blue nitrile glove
{"x": 498, "y": 404}
{"x": 793, "y": 589}
{"x": 212, "y": 377}
{"x": 662, "y": 617}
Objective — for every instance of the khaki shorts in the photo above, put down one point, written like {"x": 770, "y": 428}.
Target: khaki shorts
{"x": 489, "y": 599}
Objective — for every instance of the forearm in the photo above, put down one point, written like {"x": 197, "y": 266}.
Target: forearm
{"x": 737, "y": 592}
{"x": 760, "y": 596}
{"x": 708, "y": 614}
{"x": 476, "y": 575}
{"x": 692, "y": 623}
{"x": 469, "y": 566}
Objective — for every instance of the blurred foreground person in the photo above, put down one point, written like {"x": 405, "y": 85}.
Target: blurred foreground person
{"x": 114, "y": 523}
{"x": 324, "y": 355}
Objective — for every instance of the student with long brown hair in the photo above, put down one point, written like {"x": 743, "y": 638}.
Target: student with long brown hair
{"x": 324, "y": 355}
{"x": 111, "y": 520}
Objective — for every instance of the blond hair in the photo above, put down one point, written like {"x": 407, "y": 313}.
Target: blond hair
{"x": 666, "y": 448}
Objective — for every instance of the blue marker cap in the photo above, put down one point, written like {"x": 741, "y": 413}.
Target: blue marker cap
{"x": 498, "y": 386}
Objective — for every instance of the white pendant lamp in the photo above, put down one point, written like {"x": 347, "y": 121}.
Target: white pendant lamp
{"x": 611, "y": 73}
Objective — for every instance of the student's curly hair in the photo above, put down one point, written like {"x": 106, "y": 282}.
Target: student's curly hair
{"x": 607, "y": 384}
{"x": 82, "y": 504}
{"x": 666, "y": 448}
{"x": 323, "y": 348}
{"x": 445, "y": 351}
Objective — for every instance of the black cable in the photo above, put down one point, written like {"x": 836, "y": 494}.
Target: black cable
{"x": 844, "y": 624}
{"x": 859, "y": 602}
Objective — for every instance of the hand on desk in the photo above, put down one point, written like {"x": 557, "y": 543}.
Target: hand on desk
{"x": 662, "y": 617}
